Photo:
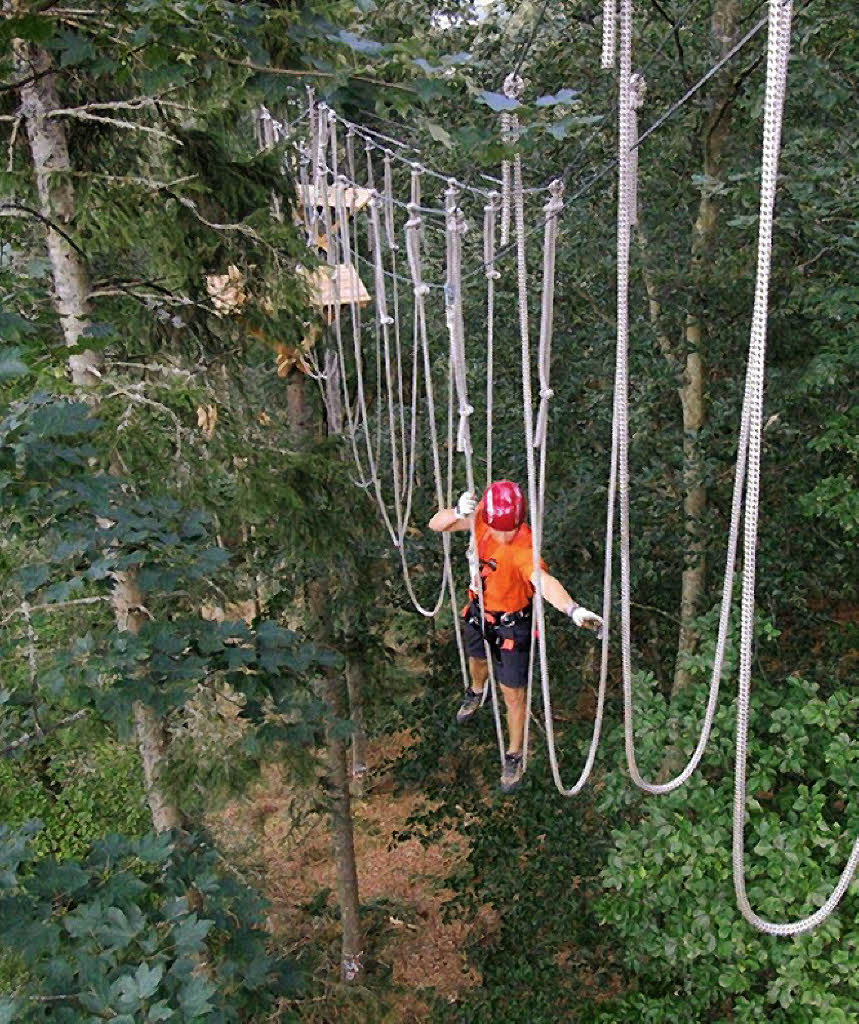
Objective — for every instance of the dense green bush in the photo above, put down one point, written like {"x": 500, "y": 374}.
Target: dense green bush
{"x": 79, "y": 792}
{"x": 143, "y": 930}
{"x": 669, "y": 897}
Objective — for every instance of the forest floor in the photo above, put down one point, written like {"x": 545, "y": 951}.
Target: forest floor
{"x": 404, "y": 883}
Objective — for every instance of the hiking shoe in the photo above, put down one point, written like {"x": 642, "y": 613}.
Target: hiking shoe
{"x": 511, "y": 776}
{"x": 470, "y": 705}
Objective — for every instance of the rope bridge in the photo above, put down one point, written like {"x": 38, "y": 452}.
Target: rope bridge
{"x": 354, "y": 222}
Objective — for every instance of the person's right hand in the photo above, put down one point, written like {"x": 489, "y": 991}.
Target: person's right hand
{"x": 466, "y": 505}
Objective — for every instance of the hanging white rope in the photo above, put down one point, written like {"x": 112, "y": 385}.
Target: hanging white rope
{"x": 628, "y": 96}
{"x": 609, "y": 32}
{"x": 637, "y": 91}
{"x": 490, "y": 214}
{"x": 455, "y": 223}
{"x": 393, "y": 247}
{"x": 780, "y": 12}
{"x": 514, "y": 88}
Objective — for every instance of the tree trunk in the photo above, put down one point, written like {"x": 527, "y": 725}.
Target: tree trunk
{"x": 692, "y": 392}
{"x": 152, "y": 739}
{"x": 355, "y": 690}
{"x": 50, "y": 155}
{"x": 303, "y": 429}
{"x": 342, "y": 835}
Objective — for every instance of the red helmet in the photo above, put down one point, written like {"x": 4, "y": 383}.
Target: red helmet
{"x": 504, "y": 505}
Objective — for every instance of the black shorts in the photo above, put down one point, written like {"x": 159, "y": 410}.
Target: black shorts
{"x": 510, "y": 647}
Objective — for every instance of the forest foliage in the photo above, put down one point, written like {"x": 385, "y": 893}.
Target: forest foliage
{"x": 182, "y": 468}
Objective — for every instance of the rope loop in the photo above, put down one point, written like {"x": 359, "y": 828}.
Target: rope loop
{"x": 514, "y": 86}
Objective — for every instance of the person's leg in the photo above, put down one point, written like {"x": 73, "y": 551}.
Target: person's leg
{"x": 478, "y": 670}
{"x": 515, "y": 701}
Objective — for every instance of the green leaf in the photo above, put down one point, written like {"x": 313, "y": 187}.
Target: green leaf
{"x": 439, "y": 134}
{"x": 75, "y": 48}
{"x": 565, "y": 96}
{"x": 13, "y": 326}
{"x": 194, "y": 996}
{"x": 358, "y": 43}
{"x": 9, "y": 1010}
{"x": 148, "y": 979}
{"x": 11, "y": 365}
{"x": 190, "y": 933}
{"x": 498, "y": 101}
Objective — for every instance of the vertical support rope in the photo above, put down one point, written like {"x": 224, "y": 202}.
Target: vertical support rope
{"x": 552, "y": 211}
{"x": 490, "y": 213}
{"x": 506, "y": 138}
{"x": 386, "y": 321}
{"x": 780, "y": 12}
{"x": 609, "y": 33}
{"x": 393, "y": 247}
{"x": 344, "y": 257}
{"x": 620, "y": 442}
{"x": 455, "y": 228}
{"x": 637, "y": 90}
{"x": 514, "y": 88}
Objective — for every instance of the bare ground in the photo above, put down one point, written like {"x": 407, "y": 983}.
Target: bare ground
{"x": 290, "y": 846}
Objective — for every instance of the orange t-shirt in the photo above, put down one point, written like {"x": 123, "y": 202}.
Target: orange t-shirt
{"x": 505, "y": 569}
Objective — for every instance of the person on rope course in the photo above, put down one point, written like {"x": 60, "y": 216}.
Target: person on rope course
{"x": 505, "y": 565}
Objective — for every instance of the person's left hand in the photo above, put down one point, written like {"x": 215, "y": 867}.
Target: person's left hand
{"x": 585, "y": 619}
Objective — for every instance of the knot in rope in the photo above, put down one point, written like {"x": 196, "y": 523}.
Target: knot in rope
{"x": 547, "y": 393}
{"x": 492, "y": 274}
{"x": 387, "y": 320}
{"x": 422, "y": 290}
{"x": 494, "y": 204}
{"x": 514, "y": 86}
{"x": 637, "y": 90}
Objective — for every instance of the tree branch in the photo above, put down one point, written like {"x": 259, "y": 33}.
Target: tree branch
{"x": 44, "y": 220}
{"x": 29, "y": 739}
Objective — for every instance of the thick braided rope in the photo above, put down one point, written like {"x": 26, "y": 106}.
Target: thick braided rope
{"x": 455, "y": 228}
{"x": 778, "y": 50}
{"x": 505, "y": 183}
{"x": 341, "y": 255}
{"x": 369, "y": 146}
{"x": 609, "y": 33}
{"x": 393, "y": 247}
{"x": 490, "y": 214}
{"x": 536, "y": 487}
{"x": 637, "y": 90}
{"x": 413, "y": 253}
{"x": 513, "y": 86}
{"x": 552, "y": 210}
{"x": 386, "y": 321}
{"x": 620, "y": 440}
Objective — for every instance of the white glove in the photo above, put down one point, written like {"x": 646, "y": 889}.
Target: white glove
{"x": 466, "y": 505}
{"x": 582, "y": 617}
